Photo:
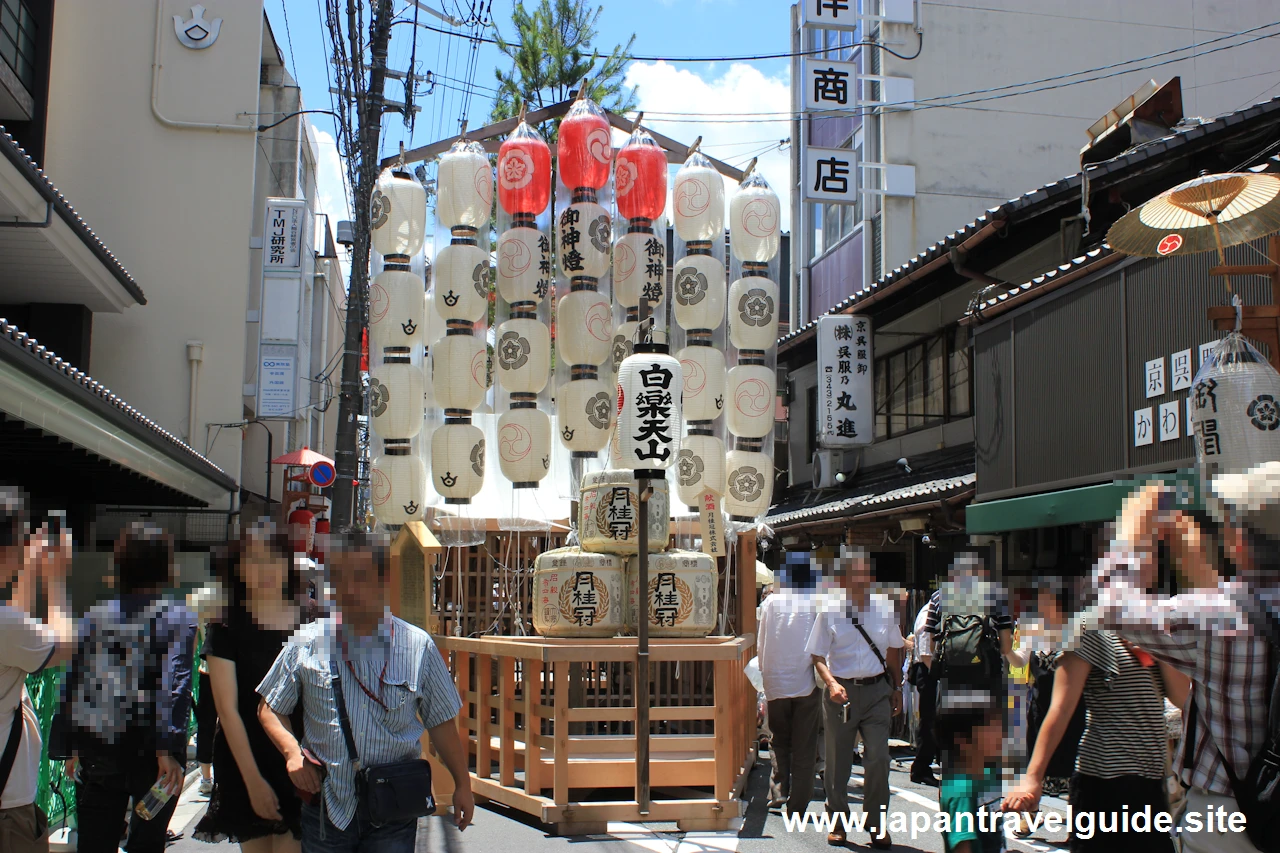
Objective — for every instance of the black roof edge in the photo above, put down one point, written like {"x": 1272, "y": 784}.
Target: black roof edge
{"x": 21, "y": 350}
{"x": 41, "y": 183}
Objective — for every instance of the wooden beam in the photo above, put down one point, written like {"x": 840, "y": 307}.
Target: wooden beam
{"x": 501, "y": 128}
{"x": 1245, "y": 269}
{"x": 678, "y": 149}
{"x": 507, "y": 720}
{"x": 532, "y": 727}
{"x": 725, "y": 771}
{"x": 560, "y": 775}
{"x": 484, "y": 696}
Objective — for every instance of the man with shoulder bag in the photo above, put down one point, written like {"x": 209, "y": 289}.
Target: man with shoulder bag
{"x": 370, "y": 684}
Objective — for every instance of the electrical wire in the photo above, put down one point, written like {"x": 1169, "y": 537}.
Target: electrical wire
{"x": 284, "y": 7}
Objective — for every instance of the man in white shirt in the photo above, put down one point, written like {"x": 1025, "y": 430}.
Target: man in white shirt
{"x": 786, "y": 618}
{"x": 857, "y": 649}
{"x": 26, "y": 646}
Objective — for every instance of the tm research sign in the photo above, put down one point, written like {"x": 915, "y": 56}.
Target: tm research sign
{"x": 846, "y": 393}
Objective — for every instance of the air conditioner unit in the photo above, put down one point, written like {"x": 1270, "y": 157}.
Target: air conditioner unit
{"x": 824, "y": 469}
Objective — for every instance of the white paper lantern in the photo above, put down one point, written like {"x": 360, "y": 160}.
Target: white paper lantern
{"x": 459, "y": 372}
{"x": 681, "y": 597}
{"x": 585, "y": 409}
{"x": 395, "y": 398}
{"x": 457, "y": 462}
{"x": 584, "y": 235}
{"x": 698, "y": 200}
{"x": 584, "y": 327}
{"x": 398, "y": 487}
{"x": 396, "y": 310}
{"x": 524, "y": 265}
{"x": 705, "y": 379}
{"x": 397, "y": 216}
{"x": 609, "y": 513}
{"x": 748, "y": 485}
{"x": 751, "y": 394}
{"x": 698, "y": 292}
{"x": 639, "y": 268}
{"x": 755, "y": 217}
{"x": 462, "y": 282}
{"x": 624, "y": 342}
{"x": 1235, "y": 410}
{"x": 465, "y": 182}
{"x": 578, "y": 593}
{"x": 524, "y": 446}
{"x": 650, "y": 384}
{"x": 523, "y": 355}
{"x": 753, "y": 313}
{"x": 700, "y": 468}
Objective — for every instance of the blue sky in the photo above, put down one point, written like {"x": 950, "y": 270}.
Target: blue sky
{"x": 662, "y": 28}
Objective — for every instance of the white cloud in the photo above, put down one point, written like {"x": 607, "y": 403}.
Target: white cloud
{"x": 732, "y": 133}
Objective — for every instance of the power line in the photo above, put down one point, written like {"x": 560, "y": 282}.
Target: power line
{"x": 284, "y": 7}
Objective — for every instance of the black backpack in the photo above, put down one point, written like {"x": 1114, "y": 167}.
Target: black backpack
{"x": 968, "y": 651}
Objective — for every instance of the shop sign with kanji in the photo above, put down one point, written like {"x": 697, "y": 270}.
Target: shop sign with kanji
{"x": 830, "y": 14}
{"x": 846, "y": 395}
{"x": 830, "y": 85}
{"x": 830, "y": 175}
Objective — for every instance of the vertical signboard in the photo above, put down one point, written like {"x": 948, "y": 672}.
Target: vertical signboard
{"x": 846, "y": 391}
{"x": 277, "y": 379}
{"x": 282, "y": 234}
{"x": 830, "y": 175}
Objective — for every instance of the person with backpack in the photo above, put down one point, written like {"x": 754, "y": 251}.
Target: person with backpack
{"x": 122, "y": 719}
{"x": 1223, "y": 634}
{"x": 971, "y": 631}
{"x": 856, "y": 647}
{"x": 27, "y": 646}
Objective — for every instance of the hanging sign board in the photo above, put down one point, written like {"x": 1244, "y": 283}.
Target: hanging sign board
{"x": 829, "y": 14}
{"x": 277, "y": 381}
{"x": 709, "y": 517}
{"x": 830, "y": 175}
{"x": 846, "y": 393}
{"x": 829, "y": 85}
{"x": 282, "y": 234}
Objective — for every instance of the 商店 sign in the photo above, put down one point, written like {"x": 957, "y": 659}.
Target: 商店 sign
{"x": 830, "y": 85}
{"x": 846, "y": 392}
{"x": 831, "y": 175}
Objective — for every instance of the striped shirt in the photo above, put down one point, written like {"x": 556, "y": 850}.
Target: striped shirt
{"x": 1205, "y": 635}
{"x": 399, "y": 664}
{"x": 1124, "y": 733}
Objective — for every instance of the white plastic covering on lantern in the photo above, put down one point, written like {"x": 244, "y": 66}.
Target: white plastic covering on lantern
{"x": 522, "y": 354}
{"x": 398, "y": 488}
{"x": 435, "y": 326}
{"x": 650, "y": 385}
{"x": 609, "y": 513}
{"x": 521, "y": 253}
{"x": 464, "y": 182}
{"x": 705, "y": 380}
{"x": 457, "y": 461}
{"x": 397, "y": 215}
{"x": 395, "y": 400}
{"x": 396, "y": 310}
{"x": 749, "y": 483}
{"x": 753, "y": 313}
{"x": 459, "y": 372}
{"x": 584, "y": 327}
{"x": 681, "y": 597}
{"x": 1235, "y": 410}
{"x": 585, "y": 409}
{"x": 639, "y": 268}
{"x": 624, "y": 343}
{"x": 755, "y": 217}
{"x": 578, "y": 593}
{"x": 698, "y": 292}
{"x": 698, "y": 200}
{"x": 524, "y": 445}
{"x": 700, "y": 468}
{"x": 751, "y": 392}
{"x": 462, "y": 282}
{"x": 584, "y": 234}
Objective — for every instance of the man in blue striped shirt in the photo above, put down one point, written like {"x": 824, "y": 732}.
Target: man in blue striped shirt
{"x": 395, "y": 685}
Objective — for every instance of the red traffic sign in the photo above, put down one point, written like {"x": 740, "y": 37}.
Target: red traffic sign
{"x": 322, "y": 474}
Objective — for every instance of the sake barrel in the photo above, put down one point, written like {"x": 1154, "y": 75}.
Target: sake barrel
{"x": 609, "y": 513}
{"x": 578, "y": 594}
{"x": 681, "y": 597}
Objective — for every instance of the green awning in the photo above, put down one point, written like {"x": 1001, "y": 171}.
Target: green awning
{"x": 1072, "y": 506}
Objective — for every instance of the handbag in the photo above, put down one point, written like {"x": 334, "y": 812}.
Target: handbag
{"x": 386, "y": 793}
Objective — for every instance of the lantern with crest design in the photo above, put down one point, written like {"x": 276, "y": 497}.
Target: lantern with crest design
{"x": 398, "y": 216}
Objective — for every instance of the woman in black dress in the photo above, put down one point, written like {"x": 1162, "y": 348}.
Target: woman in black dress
{"x": 253, "y": 801}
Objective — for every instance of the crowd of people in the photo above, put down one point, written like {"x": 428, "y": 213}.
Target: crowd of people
{"x": 308, "y": 707}
{"x": 1108, "y": 660}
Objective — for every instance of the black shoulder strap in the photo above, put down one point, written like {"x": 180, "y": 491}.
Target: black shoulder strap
{"x": 11, "y": 748}
{"x": 874, "y": 648}
{"x": 343, "y": 722}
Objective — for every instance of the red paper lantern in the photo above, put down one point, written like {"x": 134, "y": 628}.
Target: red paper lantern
{"x": 585, "y": 150}
{"x": 524, "y": 172}
{"x": 641, "y": 178}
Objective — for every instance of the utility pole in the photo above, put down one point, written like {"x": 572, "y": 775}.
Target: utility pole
{"x": 369, "y": 109}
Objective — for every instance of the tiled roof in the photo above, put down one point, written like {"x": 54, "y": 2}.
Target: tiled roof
{"x": 871, "y": 501}
{"x": 1069, "y": 185}
{"x": 16, "y": 155}
{"x": 79, "y": 383}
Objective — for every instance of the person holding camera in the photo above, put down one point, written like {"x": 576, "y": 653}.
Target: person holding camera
{"x": 856, "y": 648}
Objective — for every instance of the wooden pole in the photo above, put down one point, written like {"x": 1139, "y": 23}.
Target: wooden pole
{"x": 642, "y": 624}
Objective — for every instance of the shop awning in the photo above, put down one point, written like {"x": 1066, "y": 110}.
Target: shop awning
{"x": 1072, "y": 506}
